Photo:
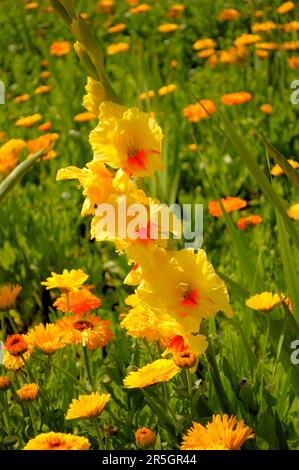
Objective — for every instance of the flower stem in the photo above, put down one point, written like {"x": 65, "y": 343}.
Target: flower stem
{"x": 6, "y": 412}
{"x": 96, "y": 426}
{"x": 86, "y": 360}
{"x": 32, "y": 418}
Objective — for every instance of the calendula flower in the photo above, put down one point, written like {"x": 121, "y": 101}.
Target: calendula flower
{"x": 88, "y": 330}
{"x": 9, "y": 154}
{"x": 145, "y": 438}
{"x": 265, "y": 302}
{"x": 46, "y": 142}
{"x": 60, "y": 48}
{"x": 8, "y": 295}
{"x": 67, "y": 281}
{"x": 262, "y": 54}
{"x": 165, "y": 90}
{"x": 117, "y": 28}
{"x": 277, "y": 170}
{"x": 184, "y": 359}
{"x": 198, "y": 111}
{"x": 15, "y": 363}
{"x": 143, "y": 8}
{"x": 28, "y": 121}
{"x": 161, "y": 370}
{"x": 127, "y": 138}
{"x": 293, "y": 62}
{"x": 28, "y": 392}
{"x": 5, "y": 383}
{"x": 105, "y": 6}
{"x": 41, "y": 90}
{"x": 290, "y": 45}
{"x": 266, "y": 108}
{"x": 175, "y": 11}
{"x": 117, "y": 48}
{"x": 263, "y": 27}
{"x": 228, "y": 14}
{"x": 57, "y": 441}
{"x": 88, "y": 406}
{"x": 84, "y": 117}
{"x": 236, "y": 98}
{"x": 291, "y": 26}
{"x": 246, "y": 39}
{"x": 223, "y": 433}
{"x": 285, "y": 7}
{"x": 79, "y": 301}
{"x": 31, "y": 6}
{"x": 204, "y": 44}
{"x": 229, "y": 203}
{"x": 150, "y": 94}
{"x": 48, "y": 338}
{"x": 21, "y": 98}
{"x": 45, "y": 74}
{"x": 293, "y": 211}
{"x": 251, "y": 220}
{"x": 167, "y": 27}
{"x": 16, "y": 345}
{"x": 205, "y": 53}
{"x": 267, "y": 46}
{"x": 45, "y": 126}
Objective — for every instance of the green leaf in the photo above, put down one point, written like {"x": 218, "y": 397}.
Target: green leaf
{"x": 281, "y": 161}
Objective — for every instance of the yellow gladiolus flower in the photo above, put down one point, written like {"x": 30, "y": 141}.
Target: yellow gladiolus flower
{"x": 95, "y": 95}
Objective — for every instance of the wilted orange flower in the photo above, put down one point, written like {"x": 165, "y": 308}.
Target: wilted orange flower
{"x": 236, "y": 98}
{"x": 117, "y": 48}
{"x": 144, "y": 438}
{"x": 204, "y": 44}
{"x": 16, "y": 345}
{"x": 79, "y": 301}
{"x": 223, "y": 433}
{"x": 262, "y": 54}
{"x": 263, "y": 27}
{"x": 277, "y": 170}
{"x": 291, "y": 26}
{"x": 67, "y": 281}
{"x": 41, "y": 90}
{"x": 198, "y": 111}
{"x": 174, "y": 11}
{"x": 84, "y": 117}
{"x": 251, "y": 220}
{"x": 21, "y": 98}
{"x": 28, "y": 392}
{"x": 265, "y": 302}
{"x": 167, "y": 89}
{"x": 88, "y": 406}
{"x": 293, "y": 62}
{"x": 143, "y": 8}
{"x": 167, "y": 27}
{"x": 60, "y": 48}
{"x": 246, "y": 39}
{"x": 48, "y": 338}
{"x": 45, "y": 141}
{"x": 117, "y": 28}
{"x": 230, "y": 204}
{"x": 5, "y": 383}
{"x": 285, "y": 7}
{"x": 8, "y": 295}
{"x": 228, "y": 14}
{"x": 88, "y": 330}
{"x": 28, "y": 121}
{"x": 57, "y": 441}
{"x": 184, "y": 359}
{"x": 45, "y": 126}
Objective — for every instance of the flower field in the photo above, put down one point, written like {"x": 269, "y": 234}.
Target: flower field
{"x": 119, "y": 331}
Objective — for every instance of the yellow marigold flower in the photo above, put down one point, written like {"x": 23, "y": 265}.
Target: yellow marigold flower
{"x": 245, "y": 39}
{"x": 85, "y": 117}
{"x": 258, "y": 13}
{"x": 31, "y": 6}
{"x": 88, "y": 406}
{"x": 285, "y": 7}
{"x": 67, "y": 281}
{"x": 28, "y": 392}
{"x": 267, "y": 46}
{"x": 223, "y": 433}
{"x": 161, "y": 370}
{"x": 15, "y": 363}
{"x": 117, "y": 48}
{"x": 117, "y": 28}
{"x": 127, "y": 138}
{"x": 167, "y": 27}
{"x": 145, "y": 438}
{"x": 28, "y": 121}
{"x": 5, "y": 383}
{"x": 236, "y": 98}
{"x": 167, "y": 89}
{"x": 290, "y": 46}
{"x": 293, "y": 211}
{"x": 205, "y": 53}
{"x": 46, "y": 142}
{"x": 60, "y": 48}
{"x": 57, "y": 441}
{"x": 229, "y": 14}
{"x": 42, "y": 89}
{"x": 95, "y": 94}
{"x": 79, "y": 301}
{"x": 8, "y": 295}
{"x": 263, "y": 27}
{"x": 265, "y": 302}
{"x": 175, "y": 11}
{"x": 277, "y": 170}
{"x": 48, "y": 338}
{"x": 192, "y": 147}
{"x": 45, "y": 74}
{"x": 88, "y": 330}
{"x": 45, "y": 126}
{"x": 204, "y": 44}
{"x": 143, "y": 8}
{"x": 262, "y": 54}
{"x": 291, "y": 26}
{"x": 21, "y": 98}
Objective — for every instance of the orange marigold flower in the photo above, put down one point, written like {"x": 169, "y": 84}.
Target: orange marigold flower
{"x": 84, "y": 117}
{"x": 28, "y": 392}
{"x": 60, "y": 48}
{"x": 293, "y": 211}
{"x": 105, "y": 6}
{"x": 265, "y": 302}
{"x": 228, "y": 14}
{"x": 277, "y": 170}
{"x": 246, "y": 39}
{"x": 223, "y": 433}
{"x": 293, "y": 62}
{"x": 165, "y": 90}
{"x": 48, "y": 338}
{"x": 45, "y": 74}
{"x": 263, "y": 27}
{"x": 251, "y": 220}
{"x": 231, "y": 99}
{"x": 117, "y": 28}
{"x": 291, "y": 26}
{"x": 5, "y": 383}
{"x": 285, "y": 7}
{"x": 266, "y": 108}
{"x": 16, "y": 345}
{"x": 145, "y": 438}
{"x": 206, "y": 53}
{"x": 198, "y": 111}
{"x": 267, "y": 46}
{"x": 45, "y": 126}
{"x": 184, "y": 359}
{"x": 204, "y": 44}
{"x": 262, "y": 54}
{"x": 230, "y": 204}
{"x": 41, "y": 90}
{"x": 31, "y": 6}
{"x": 46, "y": 142}
{"x": 143, "y": 8}
{"x": 21, "y": 98}
{"x": 16, "y": 362}
{"x": 88, "y": 406}
{"x": 175, "y": 11}
{"x": 28, "y": 121}
{"x": 57, "y": 441}
{"x": 117, "y": 48}
{"x": 79, "y": 301}
{"x": 88, "y": 330}
{"x": 8, "y": 295}
{"x": 290, "y": 46}
{"x": 167, "y": 27}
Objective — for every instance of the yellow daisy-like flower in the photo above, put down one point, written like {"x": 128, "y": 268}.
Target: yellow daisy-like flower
{"x": 28, "y": 121}
{"x": 223, "y": 433}
{"x": 95, "y": 95}
{"x": 167, "y": 27}
{"x": 127, "y": 138}
{"x": 57, "y": 441}
{"x": 67, "y": 281}
{"x": 293, "y": 211}
{"x": 88, "y": 406}
{"x": 15, "y": 363}
{"x": 28, "y": 392}
{"x": 161, "y": 370}
{"x": 8, "y": 295}
{"x": 165, "y": 90}
{"x": 265, "y": 302}
{"x": 84, "y": 117}
{"x": 285, "y": 7}
{"x": 117, "y": 48}
{"x": 48, "y": 338}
